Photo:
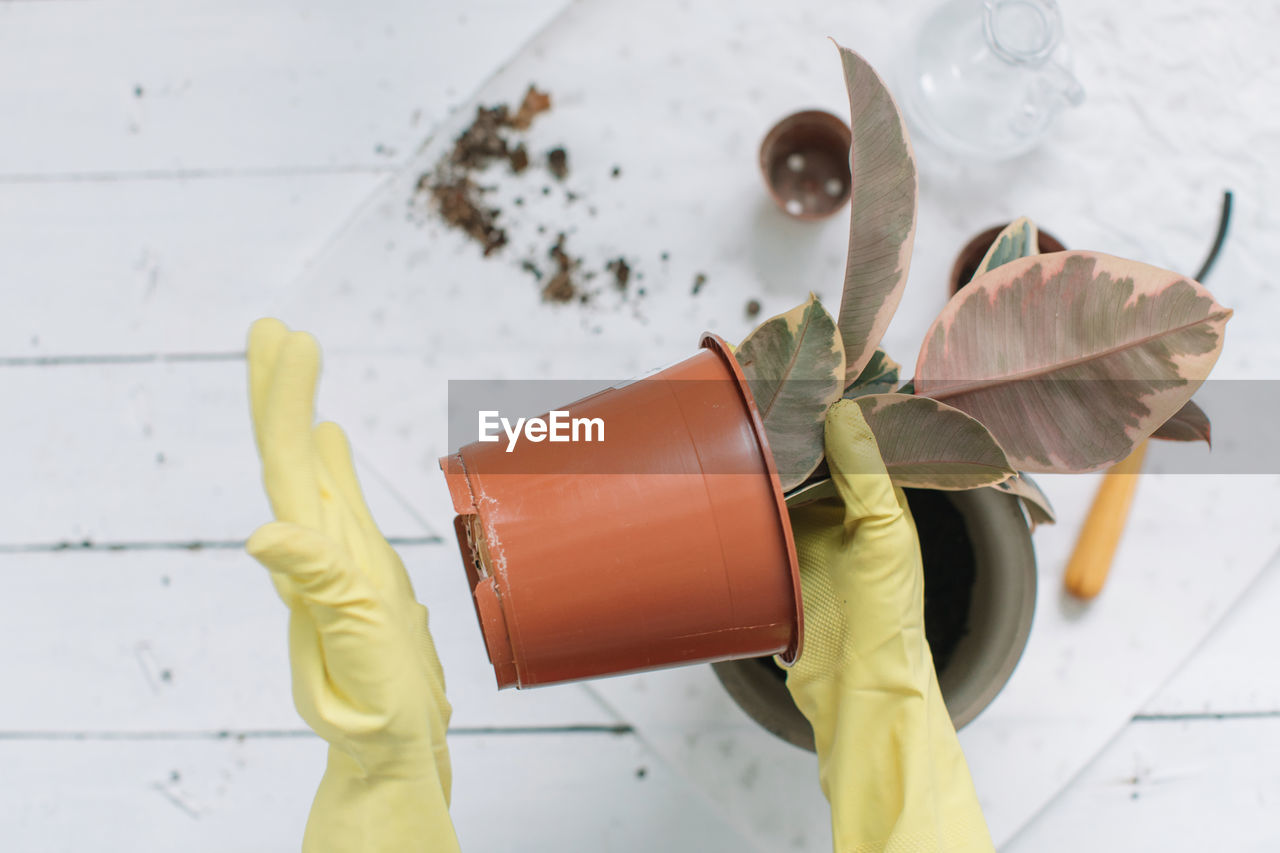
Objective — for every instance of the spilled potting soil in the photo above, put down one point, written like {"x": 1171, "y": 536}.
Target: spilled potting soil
{"x": 462, "y": 185}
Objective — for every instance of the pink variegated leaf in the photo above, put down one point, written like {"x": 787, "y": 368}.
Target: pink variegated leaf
{"x": 1189, "y": 423}
{"x": 882, "y": 222}
{"x": 1034, "y": 500}
{"x": 929, "y": 445}
{"x": 1072, "y": 358}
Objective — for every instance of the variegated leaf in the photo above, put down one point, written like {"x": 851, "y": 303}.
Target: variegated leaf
{"x": 1039, "y": 510}
{"x": 929, "y": 445}
{"x": 1072, "y": 358}
{"x": 1189, "y": 423}
{"x": 882, "y": 222}
{"x": 794, "y": 365}
{"x": 1019, "y": 239}
{"x": 817, "y": 490}
{"x": 878, "y": 377}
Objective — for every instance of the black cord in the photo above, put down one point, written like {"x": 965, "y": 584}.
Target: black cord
{"x": 1224, "y": 220}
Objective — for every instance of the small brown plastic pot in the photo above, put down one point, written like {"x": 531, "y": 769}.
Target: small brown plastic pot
{"x": 667, "y": 543}
{"x": 970, "y": 257}
{"x": 1000, "y": 608}
{"x": 805, "y": 162}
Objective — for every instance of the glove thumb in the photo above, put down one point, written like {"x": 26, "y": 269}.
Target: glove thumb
{"x": 853, "y": 455}
{"x": 313, "y": 567}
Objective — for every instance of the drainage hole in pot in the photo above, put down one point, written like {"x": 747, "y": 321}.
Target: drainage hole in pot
{"x": 949, "y": 571}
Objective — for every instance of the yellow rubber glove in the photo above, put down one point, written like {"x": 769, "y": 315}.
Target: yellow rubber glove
{"x": 888, "y": 757}
{"x": 365, "y": 673}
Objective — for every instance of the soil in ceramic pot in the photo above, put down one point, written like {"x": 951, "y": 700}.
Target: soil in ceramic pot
{"x": 949, "y": 571}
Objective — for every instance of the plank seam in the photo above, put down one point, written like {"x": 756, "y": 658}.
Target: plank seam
{"x": 263, "y": 172}
{"x": 182, "y": 545}
{"x": 1201, "y": 716}
{"x": 76, "y": 360}
{"x": 285, "y": 734}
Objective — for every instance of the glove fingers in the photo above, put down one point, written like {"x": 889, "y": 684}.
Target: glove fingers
{"x": 288, "y": 455}
{"x": 387, "y": 570}
{"x": 265, "y": 337}
{"x": 434, "y": 672}
{"x": 351, "y": 626}
{"x": 335, "y": 453}
{"x": 285, "y": 589}
{"x": 333, "y": 589}
{"x": 441, "y": 710}
{"x": 336, "y": 522}
{"x": 311, "y": 691}
{"x": 856, "y": 467}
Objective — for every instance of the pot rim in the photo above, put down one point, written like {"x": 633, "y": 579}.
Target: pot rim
{"x": 764, "y": 698}
{"x": 980, "y": 509}
{"x": 718, "y": 345}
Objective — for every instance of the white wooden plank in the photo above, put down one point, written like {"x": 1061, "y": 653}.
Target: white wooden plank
{"x": 196, "y": 641}
{"x": 1087, "y": 669}
{"x": 1170, "y": 786}
{"x": 490, "y": 334}
{"x": 510, "y": 792}
{"x": 148, "y": 266}
{"x": 754, "y": 779}
{"x": 152, "y": 87}
{"x": 394, "y": 284}
{"x": 142, "y": 452}
{"x": 1233, "y": 671}
{"x": 685, "y": 139}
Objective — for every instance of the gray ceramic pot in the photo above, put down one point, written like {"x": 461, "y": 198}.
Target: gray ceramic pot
{"x": 1000, "y": 609}
{"x": 966, "y": 263}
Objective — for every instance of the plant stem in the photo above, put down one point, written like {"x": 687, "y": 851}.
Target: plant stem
{"x": 1224, "y": 220}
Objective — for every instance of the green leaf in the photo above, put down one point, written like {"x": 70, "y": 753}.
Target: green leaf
{"x": 1034, "y": 500}
{"x": 929, "y": 445}
{"x": 1189, "y": 423}
{"x": 882, "y": 223}
{"x": 1072, "y": 358}
{"x": 1019, "y": 239}
{"x": 878, "y": 377}
{"x": 794, "y": 365}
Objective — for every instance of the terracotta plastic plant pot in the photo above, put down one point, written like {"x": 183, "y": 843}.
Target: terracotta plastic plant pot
{"x": 667, "y": 543}
{"x": 805, "y": 161}
{"x": 966, "y": 263}
{"x": 1000, "y": 606}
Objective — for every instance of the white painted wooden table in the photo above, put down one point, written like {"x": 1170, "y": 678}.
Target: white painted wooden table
{"x": 170, "y": 172}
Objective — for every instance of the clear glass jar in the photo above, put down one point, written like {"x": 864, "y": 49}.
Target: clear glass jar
{"x": 984, "y": 78}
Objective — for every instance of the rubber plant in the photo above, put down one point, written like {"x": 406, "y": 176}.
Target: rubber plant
{"x": 1059, "y": 362}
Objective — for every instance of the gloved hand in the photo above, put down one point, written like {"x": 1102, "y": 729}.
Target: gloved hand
{"x": 888, "y": 757}
{"x": 365, "y": 673}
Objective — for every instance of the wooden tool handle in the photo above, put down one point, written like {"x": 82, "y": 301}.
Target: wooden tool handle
{"x": 1095, "y": 549}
